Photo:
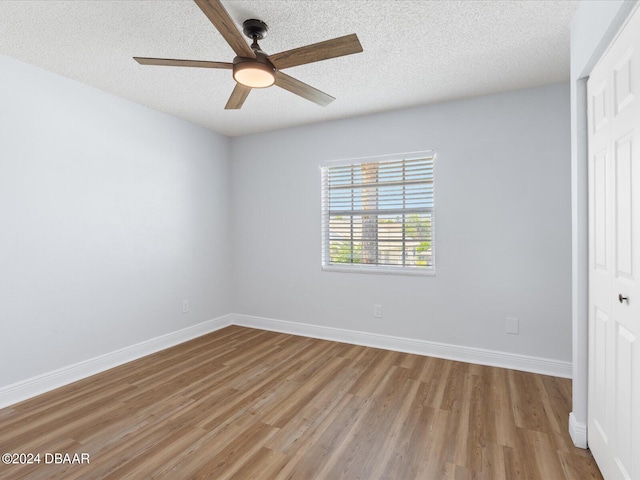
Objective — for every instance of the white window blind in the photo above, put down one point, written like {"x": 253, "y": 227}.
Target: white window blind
{"x": 378, "y": 215}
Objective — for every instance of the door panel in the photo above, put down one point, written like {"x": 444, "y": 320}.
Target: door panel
{"x": 599, "y": 109}
{"x": 600, "y": 211}
{"x": 601, "y": 374}
{"x": 626, "y": 344}
{"x": 622, "y": 82}
{"x": 623, "y": 207}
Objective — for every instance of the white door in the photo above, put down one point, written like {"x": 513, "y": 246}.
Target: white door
{"x": 614, "y": 256}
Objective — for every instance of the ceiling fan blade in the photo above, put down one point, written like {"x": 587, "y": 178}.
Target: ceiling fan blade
{"x": 217, "y": 15}
{"x": 302, "y": 89}
{"x": 238, "y": 96}
{"x": 169, "y": 62}
{"x": 318, "y": 51}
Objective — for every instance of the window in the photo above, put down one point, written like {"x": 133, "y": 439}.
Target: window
{"x": 378, "y": 214}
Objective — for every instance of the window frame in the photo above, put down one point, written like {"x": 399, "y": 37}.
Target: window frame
{"x": 374, "y": 268}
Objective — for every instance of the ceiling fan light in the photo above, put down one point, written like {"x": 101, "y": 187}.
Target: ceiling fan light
{"x": 254, "y": 74}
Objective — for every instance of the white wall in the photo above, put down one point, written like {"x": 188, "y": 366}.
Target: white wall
{"x": 594, "y": 26}
{"x": 110, "y": 215}
{"x": 503, "y": 231}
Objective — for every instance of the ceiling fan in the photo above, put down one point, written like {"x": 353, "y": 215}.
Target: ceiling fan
{"x": 252, "y": 68}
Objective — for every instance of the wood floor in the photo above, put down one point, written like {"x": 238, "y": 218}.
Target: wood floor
{"x": 242, "y": 403}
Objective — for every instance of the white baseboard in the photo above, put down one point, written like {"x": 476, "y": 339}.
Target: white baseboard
{"x": 31, "y": 387}
{"x": 421, "y": 347}
{"x": 578, "y": 432}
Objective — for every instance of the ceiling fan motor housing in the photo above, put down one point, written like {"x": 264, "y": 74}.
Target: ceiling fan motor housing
{"x": 261, "y": 57}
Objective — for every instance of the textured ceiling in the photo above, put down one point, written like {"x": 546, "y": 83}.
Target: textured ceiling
{"x": 415, "y": 52}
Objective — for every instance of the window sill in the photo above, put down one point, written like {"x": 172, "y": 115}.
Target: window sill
{"x": 379, "y": 270}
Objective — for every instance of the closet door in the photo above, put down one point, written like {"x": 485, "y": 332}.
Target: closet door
{"x": 614, "y": 256}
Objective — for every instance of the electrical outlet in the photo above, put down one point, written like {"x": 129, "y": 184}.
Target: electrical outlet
{"x": 513, "y": 326}
{"x": 377, "y": 311}
{"x": 185, "y": 306}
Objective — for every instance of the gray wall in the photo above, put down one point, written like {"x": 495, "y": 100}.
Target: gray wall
{"x": 503, "y": 231}
{"x": 110, "y": 214}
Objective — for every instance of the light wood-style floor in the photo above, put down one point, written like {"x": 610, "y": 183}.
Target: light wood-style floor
{"x": 242, "y": 403}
